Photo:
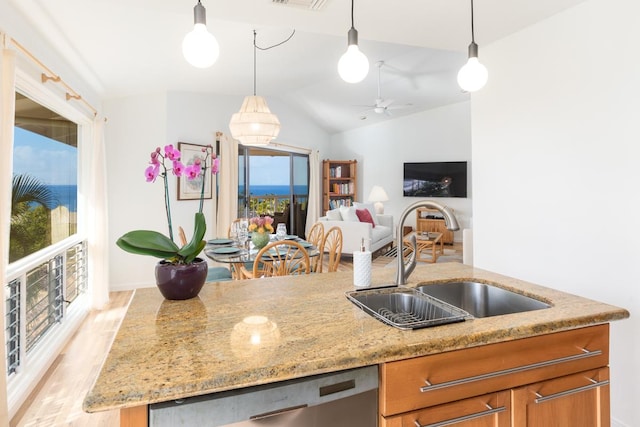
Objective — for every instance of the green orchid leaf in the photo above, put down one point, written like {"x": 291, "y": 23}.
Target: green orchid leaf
{"x": 195, "y": 246}
{"x": 189, "y": 259}
{"x": 147, "y": 242}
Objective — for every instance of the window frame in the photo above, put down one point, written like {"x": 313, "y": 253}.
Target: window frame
{"x": 34, "y": 365}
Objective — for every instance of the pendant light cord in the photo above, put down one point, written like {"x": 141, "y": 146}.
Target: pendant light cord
{"x": 352, "y": 1}
{"x": 254, "y": 62}
{"x": 472, "y": 31}
{"x": 255, "y": 47}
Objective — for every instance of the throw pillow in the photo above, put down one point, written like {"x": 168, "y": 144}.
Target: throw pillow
{"x": 365, "y": 216}
{"x": 334, "y": 215}
{"x": 348, "y": 213}
{"x": 370, "y": 208}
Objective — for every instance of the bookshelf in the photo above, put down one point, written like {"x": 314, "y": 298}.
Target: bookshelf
{"x": 339, "y": 183}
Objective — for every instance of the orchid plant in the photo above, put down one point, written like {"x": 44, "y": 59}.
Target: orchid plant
{"x": 153, "y": 243}
{"x": 261, "y": 224}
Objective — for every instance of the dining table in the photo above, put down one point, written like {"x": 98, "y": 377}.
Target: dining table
{"x": 240, "y": 258}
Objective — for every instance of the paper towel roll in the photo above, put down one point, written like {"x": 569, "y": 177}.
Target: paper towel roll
{"x": 362, "y": 269}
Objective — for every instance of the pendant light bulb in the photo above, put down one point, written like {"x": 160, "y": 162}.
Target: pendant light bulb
{"x": 199, "y": 47}
{"x": 353, "y": 65}
{"x": 473, "y": 75}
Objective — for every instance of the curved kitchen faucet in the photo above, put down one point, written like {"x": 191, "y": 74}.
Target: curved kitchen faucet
{"x": 405, "y": 269}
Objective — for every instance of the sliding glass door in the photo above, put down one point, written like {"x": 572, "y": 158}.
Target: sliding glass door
{"x": 274, "y": 183}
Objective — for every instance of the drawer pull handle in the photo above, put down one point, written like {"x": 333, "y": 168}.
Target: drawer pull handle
{"x": 490, "y": 411}
{"x": 594, "y": 384}
{"x": 585, "y": 354}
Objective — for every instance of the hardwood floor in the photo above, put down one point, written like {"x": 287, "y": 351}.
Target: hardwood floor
{"x": 58, "y": 399}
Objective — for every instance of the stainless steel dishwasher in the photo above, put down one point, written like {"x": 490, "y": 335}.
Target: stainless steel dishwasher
{"x": 341, "y": 399}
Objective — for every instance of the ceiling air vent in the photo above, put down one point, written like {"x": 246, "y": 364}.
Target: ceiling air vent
{"x": 305, "y": 4}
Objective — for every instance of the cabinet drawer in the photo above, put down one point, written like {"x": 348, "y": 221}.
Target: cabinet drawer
{"x": 490, "y": 410}
{"x": 425, "y": 381}
{"x": 578, "y": 399}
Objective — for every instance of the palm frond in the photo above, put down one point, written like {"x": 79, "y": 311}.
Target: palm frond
{"x": 27, "y": 189}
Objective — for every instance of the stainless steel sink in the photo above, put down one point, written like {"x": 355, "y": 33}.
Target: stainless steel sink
{"x": 405, "y": 308}
{"x": 481, "y": 299}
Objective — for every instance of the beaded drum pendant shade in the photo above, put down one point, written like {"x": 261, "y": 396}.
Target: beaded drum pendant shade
{"x": 254, "y": 124}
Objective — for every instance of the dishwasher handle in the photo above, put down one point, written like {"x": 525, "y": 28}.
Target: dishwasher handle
{"x": 277, "y": 412}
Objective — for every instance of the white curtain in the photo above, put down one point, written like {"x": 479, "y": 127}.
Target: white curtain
{"x": 227, "y": 184}
{"x": 313, "y": 207}
{"x": 7, "y": 113}
{"x": 97, "y": 221}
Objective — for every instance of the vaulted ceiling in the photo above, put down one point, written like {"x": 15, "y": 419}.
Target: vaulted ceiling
{"x": 123, "y": 48}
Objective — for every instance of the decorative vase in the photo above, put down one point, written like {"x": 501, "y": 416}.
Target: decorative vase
{"x": 181, "y": 281}
{"x": 260, "y": 240}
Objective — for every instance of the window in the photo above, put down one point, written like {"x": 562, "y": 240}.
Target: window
{"x": 278, "y": 185}
{"x": 45, "y": 179}
{"x": 46, "y": 285}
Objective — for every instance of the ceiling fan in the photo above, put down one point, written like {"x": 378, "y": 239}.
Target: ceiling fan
{"x": 381, "y": 105}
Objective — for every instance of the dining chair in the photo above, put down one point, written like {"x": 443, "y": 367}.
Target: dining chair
{"x": 182, "y": 236}
{"x": 281, "y": 258}
{"x": 316, "y": 237}
{"x": 333, "y": 246}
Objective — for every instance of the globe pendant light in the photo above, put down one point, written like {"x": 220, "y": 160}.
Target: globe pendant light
{"x": 254, "y": 124}
{"x": 353, "y": 65}
{"x": 473, "y": 75}
{"x": 199, "y": 47}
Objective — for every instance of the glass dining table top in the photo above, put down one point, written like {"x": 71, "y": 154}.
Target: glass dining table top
{"x": 227, "y": 251}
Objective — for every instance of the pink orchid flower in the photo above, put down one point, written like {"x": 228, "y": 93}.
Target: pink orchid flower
{"x": 178, "y": 168}
{"x": 192, "y": 171}
{"x": 154, "y": 158}
{"x": 215, "y": 165}
{"x": 171, "y": 153}
{"x": 152, "y": 172}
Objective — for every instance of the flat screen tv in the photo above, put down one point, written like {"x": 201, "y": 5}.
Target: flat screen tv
{"x": 435, "y": 179}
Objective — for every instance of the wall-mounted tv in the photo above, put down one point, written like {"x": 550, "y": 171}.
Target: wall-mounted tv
{"x": 435, "y": 179}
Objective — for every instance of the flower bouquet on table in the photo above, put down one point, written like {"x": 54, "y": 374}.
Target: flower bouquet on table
{"x": 176, "y": 261}
{"x": 260, "y": 228}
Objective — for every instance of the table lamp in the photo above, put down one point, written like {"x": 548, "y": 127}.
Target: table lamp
{"x": 378, "y": 195}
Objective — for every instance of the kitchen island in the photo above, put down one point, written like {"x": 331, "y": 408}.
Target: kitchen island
{"x": 239, "y": 334}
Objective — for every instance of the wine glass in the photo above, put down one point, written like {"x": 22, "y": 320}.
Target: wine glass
{"x": 243, "y": 232}
{"x": 281, "y": 231}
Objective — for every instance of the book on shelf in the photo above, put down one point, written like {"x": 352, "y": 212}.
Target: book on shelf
{"x": 336, "y": 203}
{"x": 346, "y": 188}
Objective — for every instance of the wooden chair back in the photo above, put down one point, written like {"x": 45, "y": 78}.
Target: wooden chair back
{"x": 316, "y": 237}
{"x": 281, "y": 258}
{"x": 333, "y": 246}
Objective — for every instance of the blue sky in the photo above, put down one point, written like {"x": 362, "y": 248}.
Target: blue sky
{"x": 269, "y": 170}
{"x": 48, "y": 160}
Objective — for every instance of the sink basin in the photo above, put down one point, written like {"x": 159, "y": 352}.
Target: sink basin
{"x": 481, "y": 299}
{"x": 405, "y": 308}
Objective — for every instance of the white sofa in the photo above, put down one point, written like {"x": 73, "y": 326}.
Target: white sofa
{"x": 353, "y": 231}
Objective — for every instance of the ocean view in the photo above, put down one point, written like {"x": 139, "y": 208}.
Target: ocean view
{"x": 65, "y": 195}
{"x": 261, "y": 190}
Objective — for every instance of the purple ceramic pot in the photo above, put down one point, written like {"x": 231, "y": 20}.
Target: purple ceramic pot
{"x": 181, "y": 281}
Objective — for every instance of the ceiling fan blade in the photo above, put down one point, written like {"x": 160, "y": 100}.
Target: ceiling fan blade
{"x": 400, "y": 106}
{"x": 385, "y": 103}
{"x": 387, "y": 112}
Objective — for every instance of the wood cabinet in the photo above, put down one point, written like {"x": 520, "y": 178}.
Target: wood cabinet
{"x": 579, "y": 400}
{"x": 339, "y": 183}
{"x": 431, "y": 220}
{"x": 531, "y": 381}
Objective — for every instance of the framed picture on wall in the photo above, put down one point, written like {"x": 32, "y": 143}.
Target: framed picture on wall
{"x": 190, "y": 189}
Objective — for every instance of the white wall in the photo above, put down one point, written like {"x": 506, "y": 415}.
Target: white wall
{"x": 555, "y": 167}
{"x": 441, "y": 134}
{"x": 140, "y": 123}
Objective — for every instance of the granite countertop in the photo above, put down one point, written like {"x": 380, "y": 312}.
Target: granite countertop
{"x": 243, "y": 333}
